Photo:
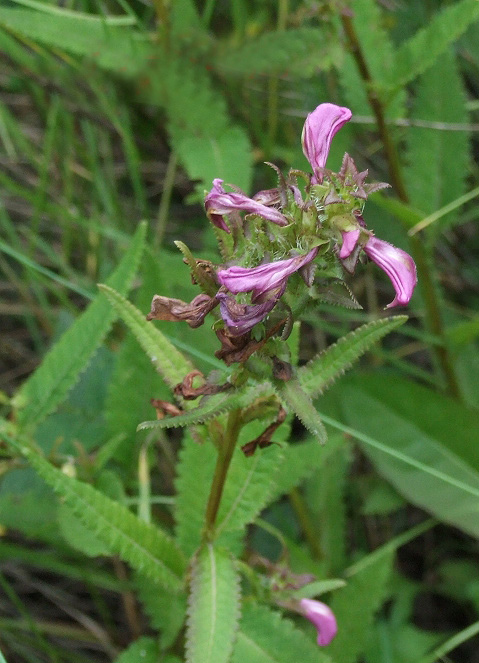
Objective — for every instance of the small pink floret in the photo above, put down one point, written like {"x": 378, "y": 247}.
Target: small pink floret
{"x": 323, "y": 619}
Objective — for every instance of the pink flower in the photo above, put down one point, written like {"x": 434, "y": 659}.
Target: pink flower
{"x": 319, "y": 130}
{"x": 264, "y": 278}
{"x": 219, "y": 202}
{"x": 267, "y": 284}
{"x": 322, "y": 617}
{"x": 397, "y": 264}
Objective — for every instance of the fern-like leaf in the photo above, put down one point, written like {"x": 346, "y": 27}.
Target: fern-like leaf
{"x": 172, "y": 365}
{"x": 297, "y": 51}
{"x": 147, "y": 548}
{"x": 61, "y": 367}
{"x": 265, "y": 637}
{"x": 298, "y": 400}
{"x": 213, "y": 607}
{"x": 321, "y": 371}
{"x": 419, "y": 52}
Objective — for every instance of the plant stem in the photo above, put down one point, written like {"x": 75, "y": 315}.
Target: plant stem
{"x": 309, "y": 530}
{"x": 223, "y": 461}
{"x": 165, "y": 200}
{"x": 431, "y": 300}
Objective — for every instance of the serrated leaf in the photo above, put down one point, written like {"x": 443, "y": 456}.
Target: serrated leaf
{"x": 214, "y": 407}
{"x": 166, "y": 611}
{"x": 320, "y": 372}
{"x": 355, "y": 606}
{"x": 299, "y": 461}
{"x": 250, "y": 481}
{"x": 62, "y": 365}
{"x": 144, "y": 649}
{"x": 213, "y": 607}
{"x": 172, "y": 365}
{"x": 420, "y": 52}
{"x": 264, "y": 637}
{"x": 438, "y": 159}
{"x": 147, "y": 548}
{"x": 297, "y": 51}
{"x": 211, "y": 407}
{"x": 248, "y": 487}
{"x": 297, "y": 399}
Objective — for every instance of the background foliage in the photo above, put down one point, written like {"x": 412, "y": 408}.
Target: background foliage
{"x": 114, "y": 119}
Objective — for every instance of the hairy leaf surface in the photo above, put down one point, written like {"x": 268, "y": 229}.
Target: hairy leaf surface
{"x": 172, "y": 365}
{"x": 62, "y": 365}
{"x": 147, "y": 548}
{"x": 213, "y": 607}
{"x": 320, "y": 372}
{"x": 420, "y": 52}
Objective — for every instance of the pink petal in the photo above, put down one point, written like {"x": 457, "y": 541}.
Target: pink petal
{"x": 319, "y": 130}
{"x": 322, "y": 617}
{"x": 350, "y": 238}
{"x": 219, "y": 202}
{"x": 397, "y": 264}
{"x": 263, "y": 278}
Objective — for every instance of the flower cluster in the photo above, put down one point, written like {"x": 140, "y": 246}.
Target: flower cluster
{"x": 282, "y": 242}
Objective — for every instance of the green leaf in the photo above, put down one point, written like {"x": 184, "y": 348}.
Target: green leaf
{"x": 264, "y": 637}
{"x": 299, "y": 461}
{"x": 120, "y": 48}
{"x": 147, "y": 548}
{"x": 420, "y": 52}
{"x": 296, "y": 398}
{"x": 200, "y": 129}
{"x": 434, "y": 176}
{"x": 166, "y": 611}
{"x": 226, "y": 155}
{"x": 144, "y": 649}
{"x": 355, "y": 606}
{"x": 247, "y": 490}
{"x": 325, "y": 493}
{"x": 298, "y": 51}
{"x": 378, "y": 51}
{"x": 250, "y": 481}
{"x": 214, "y": 406}
{"x": 409, "y": 453}
{"x": 213, "y": 607}
{"x": 172, "y": 365}
{"x": 61, "y": 367}
{"x": 320, "y": 372}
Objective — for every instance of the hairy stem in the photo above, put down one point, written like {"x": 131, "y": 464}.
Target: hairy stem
{"x": 223, "y": 461}
{"x": 433, "y": 311}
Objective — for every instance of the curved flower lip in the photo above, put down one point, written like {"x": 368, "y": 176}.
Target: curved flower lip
{"x": 397, "y": 264}
{"x": 350, "y": 238}
{"x": 323, "y": 619}
{"x": 219, "y": 202}
{"x": 319, "y": 130}
{"x": 239, "y": 318}
{"x": 260, "y": 280}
